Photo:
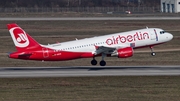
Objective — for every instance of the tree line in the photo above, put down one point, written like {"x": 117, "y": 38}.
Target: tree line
{"x": 78, "y": 3}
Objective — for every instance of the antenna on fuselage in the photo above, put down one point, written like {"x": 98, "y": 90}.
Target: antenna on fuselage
{"x": 146, "y": 27}
{"x": 76, "y": 39}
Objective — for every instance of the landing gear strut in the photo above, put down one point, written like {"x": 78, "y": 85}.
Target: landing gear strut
{"x": 152, "y": 52}
{"x": 102, "y": 62}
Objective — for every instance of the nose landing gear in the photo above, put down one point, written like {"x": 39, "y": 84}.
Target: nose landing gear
{"x": 152, "y": 51}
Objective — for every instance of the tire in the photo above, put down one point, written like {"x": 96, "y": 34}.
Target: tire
{"x": 153, "y": 53}
{"x": 93, "y": 62}
{"x": 102, "y": 63}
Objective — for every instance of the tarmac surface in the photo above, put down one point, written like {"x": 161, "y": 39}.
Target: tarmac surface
{"x": 86, "y": 18}
{"x": 21, "y": 72}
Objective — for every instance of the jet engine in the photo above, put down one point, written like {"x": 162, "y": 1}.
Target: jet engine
{"x": 124, "y": 52}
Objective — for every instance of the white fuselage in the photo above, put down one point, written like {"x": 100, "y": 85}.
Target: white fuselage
{"x": 135, "y": 39}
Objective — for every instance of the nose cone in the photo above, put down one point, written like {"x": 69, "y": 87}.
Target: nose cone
{"x": 170, "y": 36}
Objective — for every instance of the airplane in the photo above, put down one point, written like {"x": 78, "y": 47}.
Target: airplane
{"x": 119, "y": 45}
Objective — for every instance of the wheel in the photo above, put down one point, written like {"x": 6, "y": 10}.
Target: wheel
{"x": 94, "y": 62}
{"x": 153, "y": 53}
{"x": 102, "y": 63}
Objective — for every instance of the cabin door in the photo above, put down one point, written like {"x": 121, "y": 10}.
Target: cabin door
{"x": 45, "y": 52}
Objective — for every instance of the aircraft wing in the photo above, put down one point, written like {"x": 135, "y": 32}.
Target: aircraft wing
{"x": 107, "y": 50}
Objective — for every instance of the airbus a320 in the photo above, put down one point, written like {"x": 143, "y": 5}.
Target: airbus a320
{"x": 119, "y": 45}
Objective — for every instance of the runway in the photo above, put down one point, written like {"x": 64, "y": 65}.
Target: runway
{"x": 20, "y": 72}
{"x": 86, "y": 18}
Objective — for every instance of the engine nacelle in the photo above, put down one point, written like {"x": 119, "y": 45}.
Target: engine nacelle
{"x": 124, "y": 52}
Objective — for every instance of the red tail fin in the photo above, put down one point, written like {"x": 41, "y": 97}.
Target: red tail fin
{"x": 21, "y": 39}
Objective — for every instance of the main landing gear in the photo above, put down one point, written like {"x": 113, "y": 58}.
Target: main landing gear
{"x": 152, "y": 52}
{"x": 101, "y": 63}
{"x": 94, "y": 62}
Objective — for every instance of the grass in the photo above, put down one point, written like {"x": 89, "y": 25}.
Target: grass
{"x": 36, "y": 28}
{"x": 63, "y": 14}
{"x": 126, "y": 88}
{"x": 86, "y": 14}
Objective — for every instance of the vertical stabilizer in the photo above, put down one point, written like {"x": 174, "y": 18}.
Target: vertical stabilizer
{"x": 21, "y": 39}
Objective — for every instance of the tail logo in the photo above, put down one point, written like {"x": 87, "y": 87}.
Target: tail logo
{"x": 22, "y": 38}
{"x": 19, "y": 37}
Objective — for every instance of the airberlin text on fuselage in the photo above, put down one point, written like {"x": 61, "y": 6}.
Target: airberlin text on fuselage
{"x": 129, "y": 38}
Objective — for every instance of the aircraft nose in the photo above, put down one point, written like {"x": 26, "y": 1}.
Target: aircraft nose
{"x": 170, "y": 36}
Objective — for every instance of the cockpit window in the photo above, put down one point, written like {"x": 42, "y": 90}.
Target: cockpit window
{"x": 162, "y": 32}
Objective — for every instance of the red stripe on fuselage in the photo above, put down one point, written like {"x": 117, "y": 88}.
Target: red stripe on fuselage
{"x": 50, "y": 55}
